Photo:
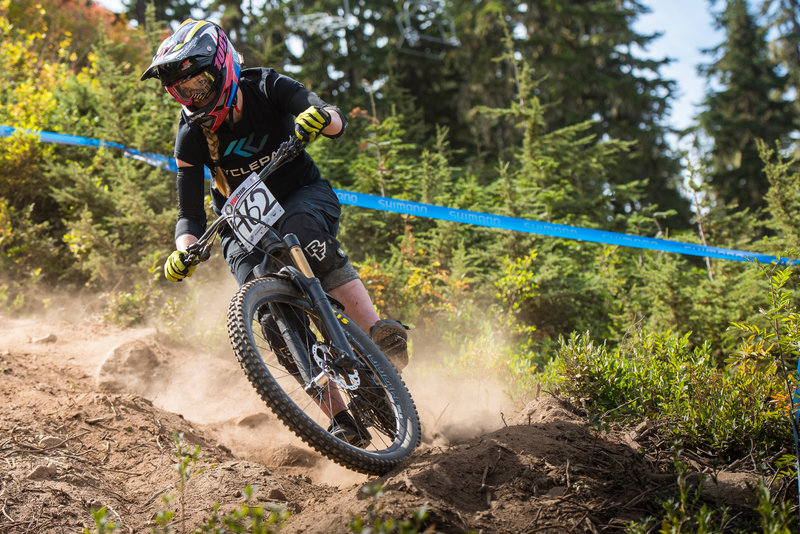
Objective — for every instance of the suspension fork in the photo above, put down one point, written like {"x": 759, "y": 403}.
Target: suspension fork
{"x": 346, "y": 359}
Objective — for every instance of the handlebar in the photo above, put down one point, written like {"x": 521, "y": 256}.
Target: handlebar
{"x": 200, "y": 250}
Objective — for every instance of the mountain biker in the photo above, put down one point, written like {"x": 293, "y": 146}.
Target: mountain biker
{"x": 232, "y": 119}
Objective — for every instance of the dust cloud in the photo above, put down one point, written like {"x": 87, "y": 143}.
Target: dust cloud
{"x": 181, "y": 361}
{"x": 210, "y": 388}
{"x": 454, "y": 408}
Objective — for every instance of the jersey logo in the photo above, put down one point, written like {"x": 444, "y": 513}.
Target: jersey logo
{"x": 316, "y": 249}
{"x": 245, "y": 146}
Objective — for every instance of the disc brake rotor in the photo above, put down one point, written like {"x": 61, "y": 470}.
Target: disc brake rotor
{"x": 322, "y": 356}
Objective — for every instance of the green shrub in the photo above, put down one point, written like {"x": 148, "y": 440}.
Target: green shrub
{"x": 661, "y": 377}
{"x": 728, "y": 406}
{"x": 129, "y": 308}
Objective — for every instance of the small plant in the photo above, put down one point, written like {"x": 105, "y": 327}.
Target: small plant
{"x": 684, "y": 512}
{"x": 128, "y": 308}
{"x": 374, "y": 523}
{"x": 186, "y": 466}
{"x": 776, "y": 516}
{"x": 249, "y": 518}
{"x": 164, "y": 516}
{"x": 246, "y": 518}
{"x": 102, "y": 525}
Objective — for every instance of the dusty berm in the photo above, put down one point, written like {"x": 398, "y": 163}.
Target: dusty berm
{"x": 89, "y": 411}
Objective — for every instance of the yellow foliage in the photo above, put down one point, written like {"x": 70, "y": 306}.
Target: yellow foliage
{"x": 29, "y": 78}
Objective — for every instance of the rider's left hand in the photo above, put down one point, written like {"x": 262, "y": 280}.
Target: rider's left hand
{"x": 311, "y": 122}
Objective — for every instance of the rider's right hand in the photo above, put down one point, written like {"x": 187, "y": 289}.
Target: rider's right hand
{"x": 311, "y": 122}
{"x": 175, "y": 269}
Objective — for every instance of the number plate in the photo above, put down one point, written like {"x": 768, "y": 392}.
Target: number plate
{"x": 251, "y": 202}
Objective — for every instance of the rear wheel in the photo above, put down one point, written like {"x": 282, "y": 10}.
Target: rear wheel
{"x": 305, "y": 396}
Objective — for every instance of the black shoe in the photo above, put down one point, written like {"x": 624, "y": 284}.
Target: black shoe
{"x": 344, "y": 427}
{"x": 391, "y": 337}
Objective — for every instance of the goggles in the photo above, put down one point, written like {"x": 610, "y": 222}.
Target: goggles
{"x": 193, "y": 88}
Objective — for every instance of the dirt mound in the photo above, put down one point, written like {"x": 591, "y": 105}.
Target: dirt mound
{"x": 88, "y": 414}
{"x": 554, "y": 473}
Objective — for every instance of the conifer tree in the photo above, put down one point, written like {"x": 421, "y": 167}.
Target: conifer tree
{"x": 784, "y": 19}
{"x": 264, "y": 36}
{"x": 588, "y": 57}
{"x": 171, "y": 11}
{"x": 750, "y": 105}
{"x": 557, "y": 175}
{"x": 231, "y": 17}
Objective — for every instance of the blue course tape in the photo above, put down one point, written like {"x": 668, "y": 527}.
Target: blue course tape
{"x": 156, "y": 160}
{"x": 543, "y": 228}
{"x": 476, "y": 218}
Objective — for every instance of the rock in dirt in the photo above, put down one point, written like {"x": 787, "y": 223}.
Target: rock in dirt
{"x": 732, "y": 488}
{"x": 289, "y": 455}
{"x": 545, "y": 410}
{"x": 276, "y": 494}
{"x": 254, "y": 420}
{"x": 49, "y": 442}
{"x": 129, "y": 367}
{"x": 41, "y": 472}
{"x": 49, "y": 338}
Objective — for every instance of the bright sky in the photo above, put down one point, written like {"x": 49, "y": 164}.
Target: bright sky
{"x": 686, "y": 27}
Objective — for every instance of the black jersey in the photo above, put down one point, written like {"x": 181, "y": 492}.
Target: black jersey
{"x": 271, "y": 101}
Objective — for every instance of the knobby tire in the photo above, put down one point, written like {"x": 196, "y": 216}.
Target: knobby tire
{"x": 382, "y": 400}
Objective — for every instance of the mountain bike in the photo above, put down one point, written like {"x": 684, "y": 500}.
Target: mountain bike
{"x": 301, "y": 353}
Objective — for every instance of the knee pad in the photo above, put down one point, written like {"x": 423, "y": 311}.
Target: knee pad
{"x": 240, "y": 262}
{"x": 318, "y": 243}
{"x": 338, "y": 277}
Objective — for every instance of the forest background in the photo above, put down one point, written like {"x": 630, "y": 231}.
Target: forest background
{"x": 548, "y": 111}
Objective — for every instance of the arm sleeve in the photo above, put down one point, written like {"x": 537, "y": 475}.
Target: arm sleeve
{"x": 190, "y": 185}
{"x": 295, "y": 98}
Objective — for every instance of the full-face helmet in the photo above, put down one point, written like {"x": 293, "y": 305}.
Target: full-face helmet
{"x": 199, "y": 67}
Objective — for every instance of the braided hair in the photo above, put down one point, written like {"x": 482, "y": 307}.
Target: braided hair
{"x": 220, "y": 182}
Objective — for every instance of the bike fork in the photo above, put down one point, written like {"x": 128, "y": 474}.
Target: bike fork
{"x": 346, "y": 359}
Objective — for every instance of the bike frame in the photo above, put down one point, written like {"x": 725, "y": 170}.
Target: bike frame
{"x": 299, "y": 271}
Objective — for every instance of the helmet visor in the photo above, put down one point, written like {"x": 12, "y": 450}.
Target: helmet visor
{"x": 192, "y": 90}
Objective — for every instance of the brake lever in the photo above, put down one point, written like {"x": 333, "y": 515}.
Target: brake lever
{"x": 197, "y": 253}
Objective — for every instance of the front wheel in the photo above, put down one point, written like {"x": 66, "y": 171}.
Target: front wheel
{"x": 305, "y": 396}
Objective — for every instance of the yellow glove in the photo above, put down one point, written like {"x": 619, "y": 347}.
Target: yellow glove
{"x": 310, "y": 123}
{"x": 175, "y": 269}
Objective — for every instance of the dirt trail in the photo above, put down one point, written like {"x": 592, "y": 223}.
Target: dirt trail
{"x": 87, "y": 412}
